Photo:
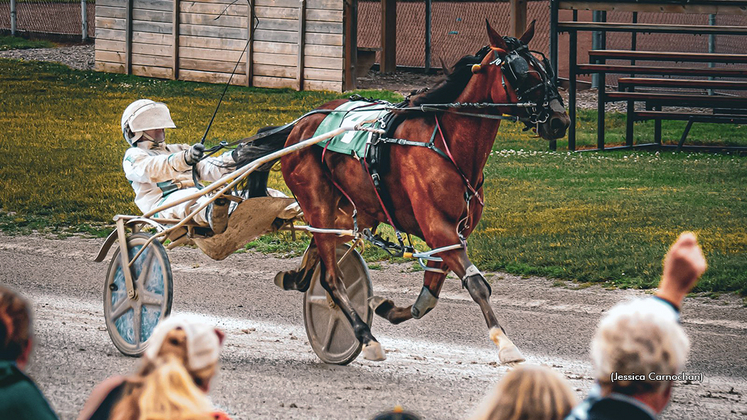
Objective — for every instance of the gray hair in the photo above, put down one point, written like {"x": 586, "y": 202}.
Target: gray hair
{"x": 635, "y": 339}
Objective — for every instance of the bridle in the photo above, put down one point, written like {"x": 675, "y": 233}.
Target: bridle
{"x": 515, "y": 68}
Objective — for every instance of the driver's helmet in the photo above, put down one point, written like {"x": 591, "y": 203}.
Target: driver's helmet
{"x": 143, "y": 115}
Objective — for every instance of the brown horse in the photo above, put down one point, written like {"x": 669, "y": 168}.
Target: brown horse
{"x": 435, "y": 196}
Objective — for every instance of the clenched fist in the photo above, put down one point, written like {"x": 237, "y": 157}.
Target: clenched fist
{"x": 683, "y": 266}
{"x": 194, "y": 153}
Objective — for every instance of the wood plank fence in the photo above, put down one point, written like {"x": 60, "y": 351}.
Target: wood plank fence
{"x": 277, "y": 43}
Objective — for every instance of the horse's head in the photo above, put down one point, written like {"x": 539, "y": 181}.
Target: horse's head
{"x": 515, "y": 74}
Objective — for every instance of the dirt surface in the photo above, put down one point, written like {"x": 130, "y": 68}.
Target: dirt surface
{"x": 439, "y": 366}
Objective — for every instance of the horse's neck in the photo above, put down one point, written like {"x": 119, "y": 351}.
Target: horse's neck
{"x": 470, "y": 139}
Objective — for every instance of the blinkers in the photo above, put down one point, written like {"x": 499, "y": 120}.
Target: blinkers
{"x": 515, "y": 66}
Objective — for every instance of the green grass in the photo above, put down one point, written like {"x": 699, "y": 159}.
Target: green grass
{"x": 17, "y": 43}
{"x": 589, "y": 217}
{"x": 610, "y": 217}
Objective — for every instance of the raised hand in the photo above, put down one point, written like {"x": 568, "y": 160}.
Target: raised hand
{"x": 683, "y": 266}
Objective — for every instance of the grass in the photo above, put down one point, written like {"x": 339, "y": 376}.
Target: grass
{"x": 18, "y": 43}
{"x": 589, "y": 217}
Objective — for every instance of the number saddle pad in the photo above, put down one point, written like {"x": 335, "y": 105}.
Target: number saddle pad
{"x": 353, "y": 112}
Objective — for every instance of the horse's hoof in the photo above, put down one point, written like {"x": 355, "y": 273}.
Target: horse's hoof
{"x": 373, "y": 351}
{"x": 510, "y": 354}
{"x": 381, "y": 306}
{"x": 507, "y": 350}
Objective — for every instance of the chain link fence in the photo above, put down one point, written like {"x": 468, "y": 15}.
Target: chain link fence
{"x": 48, "y": 18}
{"x": 457, "y": 28}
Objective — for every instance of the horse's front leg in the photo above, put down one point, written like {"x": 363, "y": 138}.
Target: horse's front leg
{"x": 478, "y": 287}
{"x": 331, "y": 280}
{"x": 426, "y": 300}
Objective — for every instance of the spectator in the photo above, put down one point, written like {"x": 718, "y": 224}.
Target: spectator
{"x": 398, "y": 413}
{"x": 20, "y": 399}
{"x": 172, "y": 382}
{"x": 528, "y": 393}
{"x": 640, "y": 339}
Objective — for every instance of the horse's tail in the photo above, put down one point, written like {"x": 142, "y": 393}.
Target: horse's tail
{"x": 267, "y": 140}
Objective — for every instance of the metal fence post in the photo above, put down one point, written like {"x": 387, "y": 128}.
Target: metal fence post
{"x": 596, "y": 44}
{"x": 428, "y": 18}
{"x": 711, "y": 46}
{"x": 554, "y": 38}
{"x": 84, "y": 19}
{"x": 13, "y": 17}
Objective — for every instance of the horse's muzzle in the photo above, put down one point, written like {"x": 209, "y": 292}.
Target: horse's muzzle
{"x": 555, "y": 126}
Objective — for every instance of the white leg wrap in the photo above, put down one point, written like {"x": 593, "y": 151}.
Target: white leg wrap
{"x": 471, "y": 271}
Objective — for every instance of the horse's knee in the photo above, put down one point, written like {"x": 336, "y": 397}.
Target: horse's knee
{"x": 476, "y": 284}
{"x": 424, "y": 303}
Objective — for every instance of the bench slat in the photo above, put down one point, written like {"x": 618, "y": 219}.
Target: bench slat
{"x": 668, "y": 56}
{"x": 682, "y": 83}
{"x": 673, "y": 71}
{"x": 684, "y": 116}
{"x": 704, "y": 101}
{"x": 570, "y": 26}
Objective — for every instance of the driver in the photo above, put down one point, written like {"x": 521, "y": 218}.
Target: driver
{"x": 161, "y": 173}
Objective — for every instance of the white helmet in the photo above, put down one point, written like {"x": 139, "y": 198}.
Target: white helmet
{"x": 143, "y": 115}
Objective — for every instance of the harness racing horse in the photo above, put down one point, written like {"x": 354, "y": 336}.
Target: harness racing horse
{"x": 435, "y": 196}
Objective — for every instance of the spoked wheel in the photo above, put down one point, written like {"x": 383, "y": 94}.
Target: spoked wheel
{"x": 130, "y": 322}
{"x": 329, "y": 331}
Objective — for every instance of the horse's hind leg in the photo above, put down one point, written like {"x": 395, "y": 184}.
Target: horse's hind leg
{"x": 426, "y": 300}
{"x": 331, "y": 280}
{"x": 300, "y": 278}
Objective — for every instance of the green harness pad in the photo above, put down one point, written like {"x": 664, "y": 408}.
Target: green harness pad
{"x": 353, "y": 112}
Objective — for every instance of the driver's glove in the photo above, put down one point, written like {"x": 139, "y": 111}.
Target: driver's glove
{"x": 194, "y": 153}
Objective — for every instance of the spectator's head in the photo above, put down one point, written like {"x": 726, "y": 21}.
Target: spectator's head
{"x": 169, "y": 392}
{"x": 638, "y": 338}
{"x": 196, "y": 345}
{"x": 146, "y": 120}
{"x": 528, "y": 393}
{"x": 181, "y": 359}
{"x": 15, "y": 328}
{"x": 398, "y": 413}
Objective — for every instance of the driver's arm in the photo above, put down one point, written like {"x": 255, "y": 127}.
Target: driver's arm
{"x": 214, "y": 167}
{"x": 139, "y": 166}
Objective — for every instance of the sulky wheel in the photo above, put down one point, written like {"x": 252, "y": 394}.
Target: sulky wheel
{"x": 130, "y": 322}
{"x": 329, "y": 331}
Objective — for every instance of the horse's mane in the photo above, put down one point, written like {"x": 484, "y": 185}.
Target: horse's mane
{"x": 449, "y": 89}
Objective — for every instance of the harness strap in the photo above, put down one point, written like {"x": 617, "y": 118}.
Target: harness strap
{"x": 355, "y": 208}
{"x": 378, "y": 196}
{"x": 451, "y": 158}
{"x": 402, "y": 142}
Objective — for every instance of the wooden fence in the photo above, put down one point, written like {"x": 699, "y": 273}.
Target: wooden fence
{"x": 277, "y": 43}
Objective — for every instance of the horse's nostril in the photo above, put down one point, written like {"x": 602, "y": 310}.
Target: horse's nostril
{"x": 557, "y": 124}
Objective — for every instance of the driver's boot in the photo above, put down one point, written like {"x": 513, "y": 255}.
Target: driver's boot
{"x": 300, "y": 278}
{"x": 217, "y": 214}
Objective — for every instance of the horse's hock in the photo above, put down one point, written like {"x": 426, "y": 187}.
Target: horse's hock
{"x": 271, "y": 43}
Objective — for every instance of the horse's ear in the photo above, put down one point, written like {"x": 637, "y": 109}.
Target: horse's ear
{"x": 444, "y": 67}
{"x": 528, "y": 34}
{"x": 495, "y": 39}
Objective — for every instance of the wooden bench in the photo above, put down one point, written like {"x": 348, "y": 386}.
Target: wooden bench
{"x": 724, "y": 109}
{"x": 655, "y": 100}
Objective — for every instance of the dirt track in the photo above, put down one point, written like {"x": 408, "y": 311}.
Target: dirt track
{"x": 439, "y": 366}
